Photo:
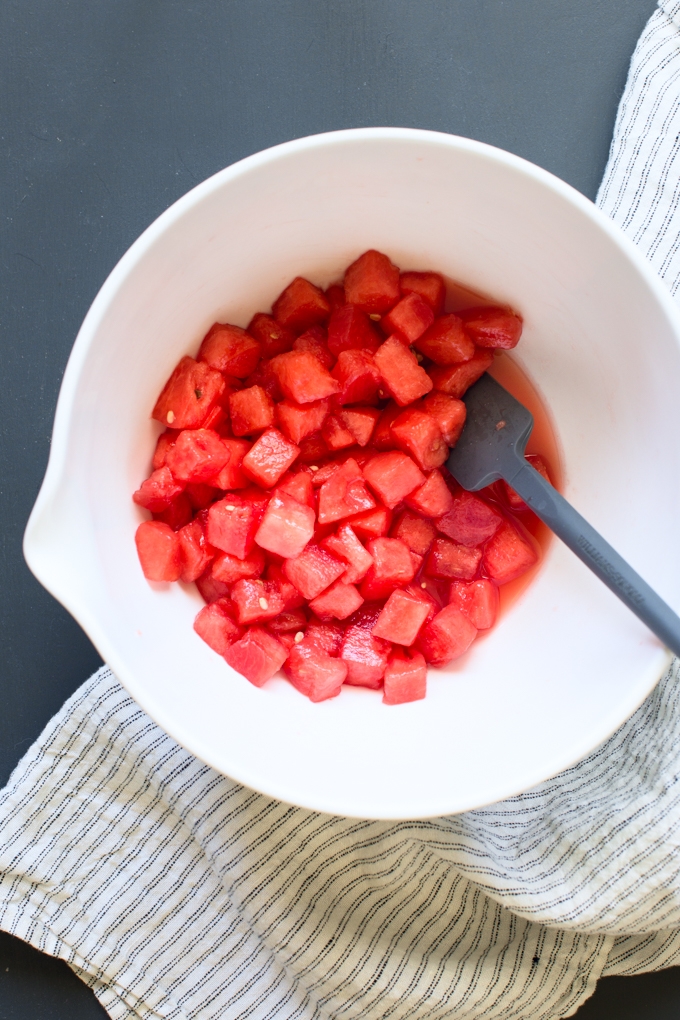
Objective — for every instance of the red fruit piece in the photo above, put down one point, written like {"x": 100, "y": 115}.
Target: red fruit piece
{"x": 507, "y": 555}
{"x": 492, "y": 327}
{"x": 289, "y": 620}
{"x": 257, "y": 600}
{"x": 346, "y": 544}
{"x": 409, "y": 318}
{"x": 272, "y": 336}
{"x": 291, "y": 596}
{"x": 313, "y": 571}
{"x": 301, "y": 305}
{"x": 372, "y": 523}
{"x": 210, "y": 588}
{"x": 514, "y": 498}
{"x": 446, "y": 342}
{"x": 458, "y": 378}
{"x": 195, "y": 553}
{"x": 265, "y": 377}
{"x": 470, "y": 520}
{"x": 257, "y": 655}
{"x": 230, "y": 349}
{"x": 446, "y": 637}
{"x": 392, "y": 568}
{"x": 286, "y": 527}
{"x": 303, "y": 378}
{"x": 364, "y": 655}
{"x": 393, "y": 475}
{"x": 382, "y": 436}
{"x": 430, "y": 287}
{"x": 448, "y": 559}
{"x": 231, "y": 476}
{"x": 201, "y": 495}
{"x": 417, "y": 433}
{"x": 189, "y": 395}
{"x": 232, "y": 523}
{"x": 372, "y": 283}
{"x": 401, "y": 618}
{"x": 251, "y": 410}
{"x": 178, "y": 513}
{"x": 314, "y": 341}
{"x": 335, "y": 295}
{"x": 300, "y": 420}
{"x": 337, "y": 602}
{"x": 197, "y": 456}
{"x": 230, "y": 569}
{"x": 313, "y": 672}
{"x": 312, "y": 449}
{"x": 357, "y": 376}
{"x": 360, "y": 421}
{"x": 158, "y": 491}
{"x": 414, "y": 532}
{"x": 405, "y": 679}
{"x": 448, "y": 412}
{"x": 402, "y": 376}
{"x": 433, "y": 498}
{"x": 299, "y": 486}
{"x": 165, "y": 442}
{"x": 216, "y": 625}
{"x": 269, "y": 457}
{"x": 478, "y": 600}
{"x": 350, "y": 329}
{"x": 335, "y": 434}
{"x": 327, "y": 636}
{"x": 159, "y": 551}
{"x": 344, "y": 494}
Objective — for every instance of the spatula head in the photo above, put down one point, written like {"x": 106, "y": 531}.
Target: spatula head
{"x": 496, "y": 431}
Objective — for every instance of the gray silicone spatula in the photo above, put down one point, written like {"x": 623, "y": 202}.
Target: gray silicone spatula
{"x": 492, "y": 446}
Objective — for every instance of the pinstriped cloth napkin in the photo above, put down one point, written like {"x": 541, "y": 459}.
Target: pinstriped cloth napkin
{"x": 176, "y": 893}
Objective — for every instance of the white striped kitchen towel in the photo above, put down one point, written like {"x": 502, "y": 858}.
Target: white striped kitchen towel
{"x": 175, "y": 893}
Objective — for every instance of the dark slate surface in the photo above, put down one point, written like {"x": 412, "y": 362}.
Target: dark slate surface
{"x": 112, "y": 110}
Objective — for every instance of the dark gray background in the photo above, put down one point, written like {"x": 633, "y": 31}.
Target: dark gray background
{"x": 111, "y": 110}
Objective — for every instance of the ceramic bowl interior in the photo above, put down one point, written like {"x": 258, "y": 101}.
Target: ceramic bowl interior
{"x": 567, "y": 664}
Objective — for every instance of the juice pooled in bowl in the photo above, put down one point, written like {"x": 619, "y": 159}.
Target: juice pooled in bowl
{"x": 301, "y": 483}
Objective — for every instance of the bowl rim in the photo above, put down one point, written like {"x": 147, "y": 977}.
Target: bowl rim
{"x": 37, "y": 555}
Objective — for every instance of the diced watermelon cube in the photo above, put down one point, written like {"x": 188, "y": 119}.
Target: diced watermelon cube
{"x": 357, "y": 376}
{"x": 372, "y": 283}
{"x": 430, "y": 287}
{"x": 372, "y": 523}
{"x": 265, "y": 377}
{"x": 361, "y": 422}
{"x": 303, "y": 378}
{"x": 425, "y": 592}
{"x": 470, "y": 520}
{"x": 346, "y": 544}
{"x": 344, "y": 494}
{"x": 405, "y": 679}
{"x": 417, "y": 433}
{"x": 197, "y": 456}
{"x": 337, "y": 602}
{"x": 402, "y": 376}
{"x": 414, "y": 532}
{"x": 382, "y": 436}
{"x": 256, "y": 600}
{"x": 478, "y": 600}
{"x": 393, "y": 475}
{"x": 301, "y": 305}
{"x": 456, "y": 379}
{"x": 327, "y": 636}
{"x": 448, "y": 412}
{"x": 230, "y": 569}
{"x": 392, "y": 568}
{"x": 271, "y": 335}
{"x": 300, "y": 420}
{"x": 178, "y": 513}
{"x": 313, "y": 571}
{"x": 218, "y": 418}
{"x": 230, "y": 349}
{"x": 289, "y": 620}
{"x": 299, "y": 486}
{"x": 286, "y": 527}
{"x": 257, "y": 655}
{"x": 201, "y": 495}
{"x": 312, "y": 449}
{"x": 231, "y": 476}
{"x": 210, "y": 588}
{"x": 189, "y": 395}
{"x": 409, "y": 318}
{"x": 232, "y": 523}
{"x": 313, "y": 672}
{"x": 292, "y": 598}
{"x": 215, "y": 623}
{"x": 158, "y": 491}
{"x": 350, "y": 329}
{"x": 433, "y": 498}
{"x": 514, "y": 498}
{"x": 165, "y": 442}
{"x": 315, "y": 341}
{"x": 492, "y": 327}
{"x": 446, "y": 637}
{"x": 335, "y": 433}
{"x": 335, "y": 295}
{"x": 364, "y": 655}
{"x": 448, "y": 559}
{"x": 507, "y": 555}
{"x": 269, "y": 457}
{"x": 401, "y": 618}
{"x": 159, "y": 551}
{"x": 195, "y": 553}
{"x": 446, "y": 342}
{"x": 251, "y": 410}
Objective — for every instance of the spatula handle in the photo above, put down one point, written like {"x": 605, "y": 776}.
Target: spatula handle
{"x": 589, "y": 546}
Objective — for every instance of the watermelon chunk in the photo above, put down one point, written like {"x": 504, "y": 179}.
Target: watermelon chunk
{"x": 195, "y": 553}
{"x": 446, "y": 637}
{"x": 269, "y": 457}
{"x": 414, "y": 532}
{"x": 314, "y": 341}
{"x": 302, "y": 377}
{"x": 230, "y": 349}
{"x": 210, "y": 588}
{"x": 231, "y": 476}
{"x": 335, "y": 295}
{"x": 405, "y": 679}
{"x": 433, "y": 498}
{"x": 430, "y": 287}
{"x": 478, "y": 600}
{"x": 313, "y": 672}
{"x": 288, "y": 620}
{"x": 470, "y": 521}
{"x": 409, "y": 318}
{"x": 158, "y": 491}
{"x": 383, "y": 439}
{"x": 197, "y": 456}
{"x": 446, "y": 342}
{"x": 215, "y": 624}
{"x": 286, "y": 527}
{"x": 159, "y": 551}
{"x": 357, "y": 376}
{"x": 507, "y": 555}
{"x": 514, "y": 498}
{"x": 372, "y": 523}
{"x": 313, "y": 571}
{"x": 271, "y": 335}
{"x": 165, "y": 441}
{"x": 335, "y": 433}
{"x": 344, "y": 494}
{"x": 456, "y": 379}
{"x": 350, "y": 329}
{"x": 364, "y": 655}
{"x": 401, "y": 618}
{"x": 392, "y": 568}
{"x": 337, "y": 602}
{"x": 448, "y": 559}
{"x": 201, "y": 495}
{"x": 327, "y": 636}
{"x": 392, "y": 476}
{"x": 402, "y": 376}
{"x": 448, "y": 412}
{"x": 372, "y": 283}
{"x": 256, "y": 600}
{"x": 346, "y": 544}
{"x": 417, "y": 433}
{"x": 300, "y": 420}
{"x": 178, "y": 513}
{"x": 232, "y": 523}
{"x": 299, "y": 486}
{"x": 251, "y": 410}
{"x": 229, "y": 569}
{"x": 301, "y": 305}
{"x": 360, "y": 421}
{"x": 291, "y": 596}
{"x": 189, "y": 395}
{"x": 256, "y": 656}
{"x": 493, "y": 327}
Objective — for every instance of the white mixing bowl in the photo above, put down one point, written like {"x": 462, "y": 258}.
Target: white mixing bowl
{"x": 568, "y": 663}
